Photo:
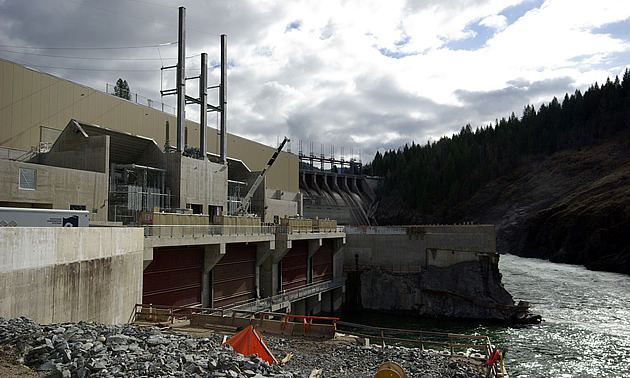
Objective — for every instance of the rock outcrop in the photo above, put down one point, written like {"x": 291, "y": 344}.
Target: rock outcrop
{"x": 471, "y": 290}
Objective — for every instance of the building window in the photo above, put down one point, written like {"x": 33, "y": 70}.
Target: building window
{"x": 77, "y": 207}
{"x": 28, "y": 178}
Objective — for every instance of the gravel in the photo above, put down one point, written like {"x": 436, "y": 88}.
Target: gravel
{"x": 88, "y": 349}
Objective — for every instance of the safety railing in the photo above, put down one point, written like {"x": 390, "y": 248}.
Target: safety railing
{"x": 476, "y": 348}
{"x": 168, "y": 314}
{"x": 400, "y": 268}
{"x": 288, "y": 296}
{"x": 309, "y": 230}
{"x": 141, "y": 100}
{"x": 176, "y": 231}
{"x": 173, "y": 231}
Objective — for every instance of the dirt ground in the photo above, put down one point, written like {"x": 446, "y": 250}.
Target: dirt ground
{"x": 9, "y": 367}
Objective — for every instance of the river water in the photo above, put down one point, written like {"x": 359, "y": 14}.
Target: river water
{"x": 586, "y": 327}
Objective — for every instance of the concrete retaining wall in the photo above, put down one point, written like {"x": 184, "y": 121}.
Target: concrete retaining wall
{"x": 70, "y": 274}
{"x": 420, "y": 246}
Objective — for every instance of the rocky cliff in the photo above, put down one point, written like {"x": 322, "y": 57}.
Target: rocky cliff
{"x": 470, "y": 290}
{"x": 570, "y": 207}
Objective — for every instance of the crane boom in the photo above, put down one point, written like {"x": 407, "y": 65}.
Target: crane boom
{"x": 243, "y": 208}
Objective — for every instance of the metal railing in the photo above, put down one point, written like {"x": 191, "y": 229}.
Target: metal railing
{"x": 160, "y": 313}
{"x": 263, "y": 304}
{"x": 444, "y": 343}
{"x": 309, "y": 230}
{"x": 177, "y": 231}
{"x": 139, "y": 99}
{"x": 393, "y": 268}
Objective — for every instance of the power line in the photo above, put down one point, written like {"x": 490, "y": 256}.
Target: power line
{"x": 91, "y": 69}
{"x": 89, "y": 48}
{"x": 80, "y": 57}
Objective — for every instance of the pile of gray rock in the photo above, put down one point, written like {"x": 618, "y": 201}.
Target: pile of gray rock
{"x": 88, "y": 349}
{"x": 364, "y": 361}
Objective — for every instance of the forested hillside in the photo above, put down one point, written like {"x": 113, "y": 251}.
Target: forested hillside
{"x": 532, "y": 176}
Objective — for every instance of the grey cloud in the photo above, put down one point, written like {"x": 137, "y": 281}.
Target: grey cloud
{"x": 328, "y": 31}
{"x": 489, "y": 105}
{"x": 377, "y": 108}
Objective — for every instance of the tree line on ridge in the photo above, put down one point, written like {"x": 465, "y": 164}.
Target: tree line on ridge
{"x": 431, "y": 177}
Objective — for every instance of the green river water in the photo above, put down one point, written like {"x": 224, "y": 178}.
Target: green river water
{"x": 586, "y": 326}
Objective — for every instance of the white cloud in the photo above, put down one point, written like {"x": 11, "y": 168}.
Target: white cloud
{"x": 372, "y": 74}
{"x": 495, "y": 22}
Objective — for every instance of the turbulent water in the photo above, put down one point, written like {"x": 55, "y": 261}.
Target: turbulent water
{"x": 586, "y": 332}
{"x": 586, "y": 327}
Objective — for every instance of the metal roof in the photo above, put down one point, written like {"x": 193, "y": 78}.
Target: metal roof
{"x": 125, "y": 148}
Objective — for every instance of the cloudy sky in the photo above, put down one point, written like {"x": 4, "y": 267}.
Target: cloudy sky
{"x": 359, "y": 75}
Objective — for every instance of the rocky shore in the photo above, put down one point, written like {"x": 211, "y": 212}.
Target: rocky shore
{"x": 88, "y": 349}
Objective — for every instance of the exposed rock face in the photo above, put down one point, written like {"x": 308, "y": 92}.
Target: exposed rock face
{"x": 465, "y": 290}
{"x": 571, "y": 207}
{"x": 581, "y": 214}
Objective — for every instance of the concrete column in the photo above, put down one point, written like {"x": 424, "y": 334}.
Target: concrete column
{"x": 326, "y": 302}
{"x": 264, "y": 251}
{"x": 298, "y": 307}
{"x": 267, "y": 270}
{"x": 337, "y": 298}
{"x": 313, "y": 247}
{"x": 313, "y": 305}
{"x": 337, "y": 247}
{"x": 212, "y": 254}
{"x": 147, "y": 257}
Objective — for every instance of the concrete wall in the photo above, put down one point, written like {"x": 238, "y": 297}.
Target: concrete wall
{"x": 431, "y": 271}
{"x": 279, "y": 208}
{"x": 340, "y": 213}
{"x": 31, "y": 99}
{"x": 195, "y": 181}
{"x": 417, "y": 245}
{"x": 57, "y": 188}
{"x": 70, "y": 274}
{"x": 73, "y": 150}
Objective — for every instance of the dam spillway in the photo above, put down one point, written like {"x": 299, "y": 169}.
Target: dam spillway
{"x": 345, "y": 197}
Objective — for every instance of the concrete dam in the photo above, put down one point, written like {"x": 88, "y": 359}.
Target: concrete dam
{"x": 348, "y": 198}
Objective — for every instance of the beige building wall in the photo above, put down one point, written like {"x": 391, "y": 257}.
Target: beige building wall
{"x": 31, "y": 99}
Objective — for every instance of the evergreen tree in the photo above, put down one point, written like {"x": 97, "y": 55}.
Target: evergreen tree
{"x": 433, "y": 177}
{"x": 121, "y": 89}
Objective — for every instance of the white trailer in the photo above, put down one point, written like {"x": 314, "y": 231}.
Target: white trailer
{"x": 27, "y": 217}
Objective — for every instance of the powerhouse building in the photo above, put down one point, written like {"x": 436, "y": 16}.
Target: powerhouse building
{"x": 69, "y": 147}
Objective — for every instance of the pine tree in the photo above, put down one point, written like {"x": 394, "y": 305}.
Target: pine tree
{"x": 122, "y": 89}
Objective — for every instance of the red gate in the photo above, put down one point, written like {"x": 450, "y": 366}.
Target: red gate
{"x": 173, "y": 278}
